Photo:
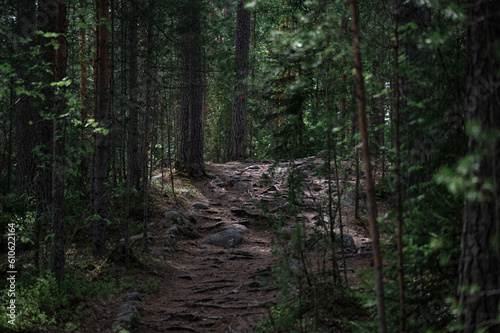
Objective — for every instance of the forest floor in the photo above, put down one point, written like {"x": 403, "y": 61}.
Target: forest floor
{"x": 200, "y": 287}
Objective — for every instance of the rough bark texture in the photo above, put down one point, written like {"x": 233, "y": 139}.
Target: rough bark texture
{"x": 191, "y": 136}
{"x": 134, "y": 156}
{"x": 99, "y": 165}
{"x": 480, "y": 253}
{"x": 57, "y": 258}
{"x": 239, "y": 117}
{"x": 370, "y": 184}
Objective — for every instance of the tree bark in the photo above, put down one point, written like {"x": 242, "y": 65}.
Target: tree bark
{"x": 480, "y": 252}
{"x": 370, "y": 185}
{"x": 191, "y": 123}
{"x": 133, "y": 123}
{"x": 57, "y": 259}
{"x": 239, "y": 114}
{"x": 399, "y": 195}
{"x": 99, "y": 162}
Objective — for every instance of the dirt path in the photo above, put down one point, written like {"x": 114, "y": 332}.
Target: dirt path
{"x": 205, "y": 288}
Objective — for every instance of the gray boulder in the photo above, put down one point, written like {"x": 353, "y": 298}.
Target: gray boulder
{"x": 200, "y": 205}
{"x": 125, "y": 319}
{"x": 348, "y": 241}
{"x": 227, "y": 239}
{"x": 238, "y": 227}
{"x": 175, "y": 217}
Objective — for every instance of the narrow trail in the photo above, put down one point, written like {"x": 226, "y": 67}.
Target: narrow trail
{"x": 207, "y": 288}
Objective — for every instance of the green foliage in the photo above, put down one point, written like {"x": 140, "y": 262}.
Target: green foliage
{"x": 43, "y": 304}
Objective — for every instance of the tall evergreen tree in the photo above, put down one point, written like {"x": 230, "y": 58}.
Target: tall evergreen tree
{"x": 58, "y": 150}
{"x": 480, "y": 247}
{"x": 191, "y": 123}
{"x": 239, "y": 114}
{"x": 99, "y": 162}
{"x": 134, "y": 156}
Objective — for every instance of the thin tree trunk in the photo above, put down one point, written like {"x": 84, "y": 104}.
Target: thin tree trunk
{"x": 370, "y": 186}
{"x": 133, "y": 123}
{"x": 58, "y": 147}
{"x": 99, "y": 165}
{"x": 399, "y": 196}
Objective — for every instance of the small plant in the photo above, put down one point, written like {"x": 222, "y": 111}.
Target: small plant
{"x": 151, "y": 287}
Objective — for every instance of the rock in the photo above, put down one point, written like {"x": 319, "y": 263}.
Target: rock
{"x": 348, "y": 241}
{"x": 200, "y": 205}
{"x": 237, "y": 211}
{"x": 240, "y": 186}
{"x": 189, "y": 276}
{"x": 238, "y": 227}
{"x": 132, "y": 296}
{"x": 286, "y": 232}
{"x": 170, "y": 240}
{"x": 209, "y": 176}
{"x": 252, "y": 167}
{"x": 189, "y": 232}
{"x": 227, "y": 239}
{"x": 303, "y": 167}
{"x": 193, "y": 219}
{"x": 125, "y": 319}
{"x": 322, "y": 154}
{"x": 175, "y": 217}
{"x": 173, "y": 230}
{"x": 136, "y": 238}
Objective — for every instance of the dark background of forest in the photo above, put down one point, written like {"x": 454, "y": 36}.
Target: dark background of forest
{"x": 95, "y": 96}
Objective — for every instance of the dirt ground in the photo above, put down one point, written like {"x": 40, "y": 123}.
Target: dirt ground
{"x": 205, "y": 288}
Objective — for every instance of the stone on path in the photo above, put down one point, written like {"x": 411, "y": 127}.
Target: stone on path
{"x": 175, "y": 217}
{"x": 238, "y": 227}
{"x": 125, "y": 319}
{"x": 200, "y": 205}
{"x": 227, "y": 238}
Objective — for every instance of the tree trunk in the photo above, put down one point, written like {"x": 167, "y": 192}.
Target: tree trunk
{"x": 480, "y": 253}
{"x": 58, "y": 150}
{"x": 399, "y": 196}
{"x": 133, "y": 123}
{"x": 419, "y": 14}
{"x": 239, "y": 115}
{"x": 99, "y": 162}
{"x": 191, "y": 124}
{"x": 370, "y": 186}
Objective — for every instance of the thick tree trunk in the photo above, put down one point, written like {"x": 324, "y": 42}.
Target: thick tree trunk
{"x": 370, "y": 185}
{"x": 99, "y": 163}
{"x": 480, "y": 248}
{"x": 191, "y": 123}
{"x": 58, "y": 150}
{"x": 239, "y": 115}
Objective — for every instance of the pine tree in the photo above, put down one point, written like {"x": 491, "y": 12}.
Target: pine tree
{"x": 239, "y": 114}
{"x": 480, "y": 247}
{"x": 191, "y": 124}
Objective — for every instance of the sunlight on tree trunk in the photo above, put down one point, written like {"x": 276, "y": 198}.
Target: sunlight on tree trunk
{"x": 370, "y": 185}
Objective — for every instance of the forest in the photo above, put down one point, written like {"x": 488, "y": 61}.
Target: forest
{"x": 250, "y": 166}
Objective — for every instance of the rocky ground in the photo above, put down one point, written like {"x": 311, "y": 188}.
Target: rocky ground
{"x": 211, "y": 249}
